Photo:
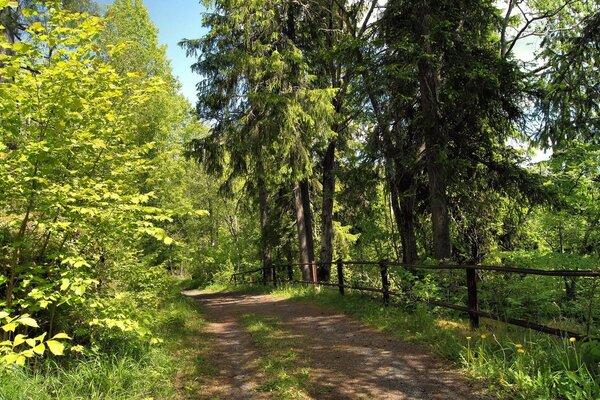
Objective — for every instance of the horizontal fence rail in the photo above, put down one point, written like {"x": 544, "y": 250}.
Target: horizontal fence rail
{"x": 270, "y": 275}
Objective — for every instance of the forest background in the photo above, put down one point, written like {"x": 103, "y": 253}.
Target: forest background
{"x": 402, "y": 130}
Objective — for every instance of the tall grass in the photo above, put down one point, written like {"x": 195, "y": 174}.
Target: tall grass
{"x": 102, "y": 377}
{"x": 134, "y": 373}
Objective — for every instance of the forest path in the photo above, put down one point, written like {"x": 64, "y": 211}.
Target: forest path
{"x": 345, "y": 359}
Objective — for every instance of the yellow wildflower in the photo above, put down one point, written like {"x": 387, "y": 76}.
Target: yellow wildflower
{"x": 468, "y": 337}
{"x": 483, "y": 336}
{"x": 520, "y": 351}
{"x": 572, "y": 340}
{"x": 519, "y": 346}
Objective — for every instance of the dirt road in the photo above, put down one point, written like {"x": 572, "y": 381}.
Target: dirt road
{"x": 344, "y": 359}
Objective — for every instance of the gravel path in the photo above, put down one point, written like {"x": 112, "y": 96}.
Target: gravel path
{"x": 347, "y": 360}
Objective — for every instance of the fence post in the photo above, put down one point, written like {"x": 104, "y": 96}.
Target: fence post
{"x": 385, "y": 282}
{"x": 340, "y": 274}
{"x": 234, "y": 280}
{"x": 314, "y": 273}
{"x": 290, "y": 271}
{"x": 472, "y": 303}
{"x": 274, "y": 275}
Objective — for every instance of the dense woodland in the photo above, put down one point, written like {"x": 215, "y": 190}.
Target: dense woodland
{"x": 449, "y": 131}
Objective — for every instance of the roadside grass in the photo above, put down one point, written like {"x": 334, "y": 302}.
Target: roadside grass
{"x": 152, "y": 372}
{"x": 516, "y": 363}
{"x": 284, "y": 375}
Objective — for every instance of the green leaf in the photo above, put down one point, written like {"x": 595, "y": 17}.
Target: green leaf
{"x": 39, "y": 349}
{"x": 61, "y": 336}
{"x": 65, "y": 284}
{"x": 10, "y": 327}
{"x": 28, "y": 321}
{"x": 10, "y": 358}
{"x": 19, "y": 339}
{"x": 57, "y": 348}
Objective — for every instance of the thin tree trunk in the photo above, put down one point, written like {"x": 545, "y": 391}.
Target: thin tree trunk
{"x": 327, "y": 234}
{"x": 264, "y": 231}
{"x": 308, "y": 219}
{"x": 390, "y": 222}
{"x": 302, "y": 236}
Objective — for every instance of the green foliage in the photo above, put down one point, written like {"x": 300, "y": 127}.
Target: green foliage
{"x": 125, "y": 373}
{"x": 80, "y": 222}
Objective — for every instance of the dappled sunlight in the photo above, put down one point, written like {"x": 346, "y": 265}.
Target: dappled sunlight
{"x": 346, "y": 360}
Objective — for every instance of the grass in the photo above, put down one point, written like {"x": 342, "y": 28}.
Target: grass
{"x": 515, "y": 362}
{"x": 167, "y": 371}
{"x": 284, "y": 375}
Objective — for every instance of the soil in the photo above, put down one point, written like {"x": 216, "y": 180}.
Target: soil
{"x": 346, "y": 359}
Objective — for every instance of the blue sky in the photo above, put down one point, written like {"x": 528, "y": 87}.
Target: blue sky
{"x": 177, "y": 19}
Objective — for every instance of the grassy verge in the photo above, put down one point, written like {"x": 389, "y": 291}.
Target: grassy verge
{"x": 166, "y": 371}
{"x": 517, "y": 363}
{"x": 284, "y": 375}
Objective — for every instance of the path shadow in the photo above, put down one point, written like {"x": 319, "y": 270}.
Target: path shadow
{"x": 347, "y": 359}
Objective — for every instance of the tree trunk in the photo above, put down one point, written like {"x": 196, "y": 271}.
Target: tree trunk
{"x": 435, "y": 142}
{"x": 308, "y": 219}
{"x": 264, "y": 232}
{"x": 326, "y": 256}
{"x": 303, "y": 241}
{"x": 403, "y": 204}
{"x": 570, "y": 282}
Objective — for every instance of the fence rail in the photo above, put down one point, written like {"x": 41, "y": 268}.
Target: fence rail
{"x": 270, "y": 275}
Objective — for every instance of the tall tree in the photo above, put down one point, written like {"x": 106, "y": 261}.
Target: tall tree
{"x": 465, "y": 93}
{"x": 255, "y": 90}
{"x": 332, "y": 55}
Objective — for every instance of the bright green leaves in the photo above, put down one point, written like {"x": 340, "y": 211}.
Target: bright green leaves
{"x": 22, "y": 347}
{"x": 57, "y": 348}
{"x": 158, "y": 233}
{"x": 73, "y": 174}
{"x": 27, "y": 321}
{"x": 8, "y": 3}
{"x": 11, "y": 324}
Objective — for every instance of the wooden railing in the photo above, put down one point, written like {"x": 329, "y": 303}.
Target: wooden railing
{"x": 273, "y": 273}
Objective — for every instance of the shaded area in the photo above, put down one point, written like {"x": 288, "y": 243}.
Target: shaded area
{"x": 347, "y": 360}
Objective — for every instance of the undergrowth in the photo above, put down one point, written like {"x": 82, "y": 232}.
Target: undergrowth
{"x": 128, "y": 373}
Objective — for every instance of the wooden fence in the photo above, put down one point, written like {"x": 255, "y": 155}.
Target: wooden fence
{"x": 274, "y": 273}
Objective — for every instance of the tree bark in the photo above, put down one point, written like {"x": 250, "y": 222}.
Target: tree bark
{"x": 303, "y": 241}
{"x": 406, "y": 198}
{"x": 403, "y": 204}
{"x": 327, "y": 234}
{"x": 308, "y": 218}
{"x": 435, "y": 141}
{"x": 264, "y": 232}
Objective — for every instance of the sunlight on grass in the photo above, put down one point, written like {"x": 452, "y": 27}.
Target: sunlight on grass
{"x": 150, "y": 373}
{"x": 285, "y": 376}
